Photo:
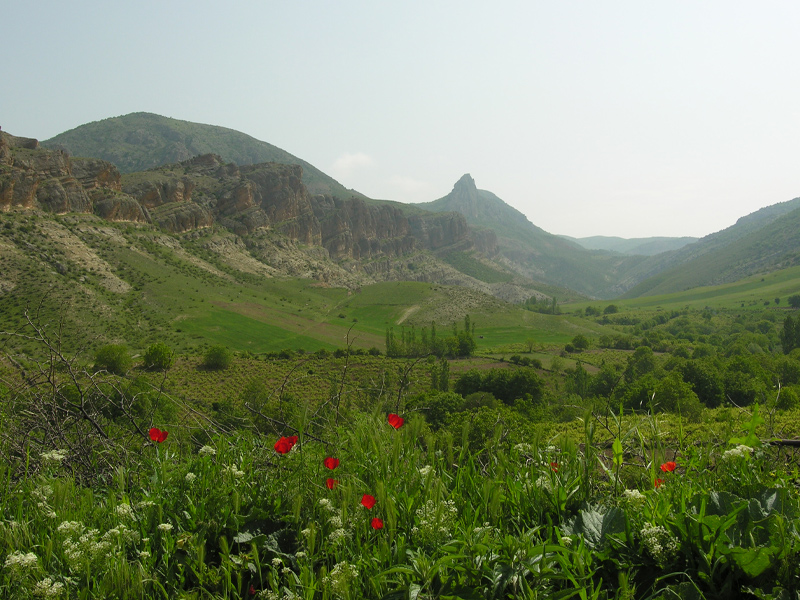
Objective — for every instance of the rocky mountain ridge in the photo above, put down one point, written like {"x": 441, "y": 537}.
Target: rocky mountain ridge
{"x": 279, "y": 223}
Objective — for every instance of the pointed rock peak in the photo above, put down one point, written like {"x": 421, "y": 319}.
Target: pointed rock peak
{"x": 466, "y": 183}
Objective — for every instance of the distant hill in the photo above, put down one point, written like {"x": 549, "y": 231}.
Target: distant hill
{"x": 763, "y": 241}
{"x": 531, "y": 250}
{"x": 141, "y": 141}
{"x": 633, "y": 246}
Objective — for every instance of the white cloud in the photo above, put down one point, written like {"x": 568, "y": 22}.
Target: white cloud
{"x": 349, "y": 162}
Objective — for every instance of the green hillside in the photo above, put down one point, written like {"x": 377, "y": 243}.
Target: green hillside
{"x": 141, "y": 141}
{"x": 752, "y": 246}
{"x": 534, "y": 252}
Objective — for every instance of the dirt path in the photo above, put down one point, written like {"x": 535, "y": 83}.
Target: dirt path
{"x": 407, "y": 313}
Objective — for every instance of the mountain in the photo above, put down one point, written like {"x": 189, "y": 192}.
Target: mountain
{"x": 530, "y": 250}
{"x": 763, "y": 241}
{"x": 633, "y": 246}
{"x": 141, "y": 141}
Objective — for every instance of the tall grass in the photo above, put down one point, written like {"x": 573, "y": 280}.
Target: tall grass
{"x": 520, "y": 519}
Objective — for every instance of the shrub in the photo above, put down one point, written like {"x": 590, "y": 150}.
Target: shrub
{"x": 217, "y": 358}
{"x": 113, "y": 358}
{"x": 159, "y": 357}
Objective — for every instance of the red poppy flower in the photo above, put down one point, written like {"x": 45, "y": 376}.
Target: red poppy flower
{"x": 331, "y": 463}
{"x": 252, "y": 590}
{"x": 331, "y": 483}
{"x": 377, "y": 523}
{"x": 554, "y": 467}
{"x": 396, "y": 421}
{"x": 368, "y": 501}
{"x": 668, "y": 467}
{"x": 157, "y": 435}
{"x": 658, "y": 483}
{"x": 284, "y": 444}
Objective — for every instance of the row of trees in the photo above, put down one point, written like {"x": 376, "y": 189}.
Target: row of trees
{"x": 413, "y": 343}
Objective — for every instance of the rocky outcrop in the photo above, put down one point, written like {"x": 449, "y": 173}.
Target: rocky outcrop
{"x": 181, "y": 217}
{"x": 93, "y": 173}
{"x": 36, "y": 178}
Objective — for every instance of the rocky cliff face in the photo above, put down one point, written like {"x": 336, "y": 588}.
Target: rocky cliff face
{"x": 205, "y": 190}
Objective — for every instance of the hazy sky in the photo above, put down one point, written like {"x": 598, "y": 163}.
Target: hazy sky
{"x": 625, "y": 118}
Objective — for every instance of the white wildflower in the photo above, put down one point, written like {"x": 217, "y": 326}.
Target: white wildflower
{"x": 233, "y": 470}
{"x": 436, "y": 522}
{"x": 190, "y": 477}
{"x": 70, "y": 527}
{"x": 277, "y": 562}
{"x": 124, "y": 510}
{"x": 306, "y": 532}
{"x": 339, "y": 535}
{"x": 300, "y": 554}
{"x": 326, "y": 504}
{"x": 335, "y": 521}
{"x": 48, "y": 588}
{"x": 144, "y": 555}
{"x": 54, "y": 456}
{"x": 741, "y": 451}
{"x": 424, "y": 471}
{"x": 342, "y": 578}
{"x": 22, "y": 561}
{"x": 659, "y": 543}
{"x": 145, "y": 504}
{"x": 633, "y": 498}
{"x": 207, "y": 451}
{"x": 165, "y": 527}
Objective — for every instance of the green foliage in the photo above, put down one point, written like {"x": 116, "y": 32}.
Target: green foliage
{"x": 217, "y": 358}
{"x": 113, "y": 358}
{"x": 794, "y": 300}
{"x": 504, "y": 384}
{"x": 158, "y": 357}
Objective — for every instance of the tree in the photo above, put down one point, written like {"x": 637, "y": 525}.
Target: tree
{"x": 158, "y": 357}
{"x": 113, "y": 358}
{"x": 794, "y": 301}
{"x": 217, "y": 358}
{"x": 790, "y": 335}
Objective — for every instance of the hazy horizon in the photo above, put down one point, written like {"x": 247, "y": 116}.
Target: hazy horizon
{"x": 626, "y": 120}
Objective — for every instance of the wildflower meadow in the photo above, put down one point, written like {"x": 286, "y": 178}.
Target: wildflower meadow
{"x": 380, "y": 506}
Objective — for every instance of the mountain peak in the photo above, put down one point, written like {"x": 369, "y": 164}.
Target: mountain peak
{"x": 466, "y": 184}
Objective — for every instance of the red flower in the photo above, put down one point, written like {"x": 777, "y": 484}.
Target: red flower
{"x": 658, "y": 483}
{"x": 668, "y": 467}
{"x": 396, "y": 421}
{"x": 331, "y": 463}
{"x": 252, "y": 590}
{"x": 284, "y": 444}
{"x": 331, "y": 483}
{"x": 368, "y": 501}
{"x": 554, "y": 467}
{"x": 157, "y": 435}
{"x": 377, "y": 523}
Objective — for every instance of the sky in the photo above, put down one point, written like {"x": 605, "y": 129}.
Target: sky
{"x": 619, "y": 118}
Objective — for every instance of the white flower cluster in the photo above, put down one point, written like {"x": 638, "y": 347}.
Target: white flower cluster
{"x": 326, "y": 504}
{"x": 124, "y": 510}
{"x": 54, "y": 456}
{"x": 659, "y": 543}
{"x": 270, "y": 595}
{"x": 436, "y": 522}
{"x": 18, "y": 560}
{"x": 47, "y": 588}
{"x": 544, "y": 483}
{"x": 341, "y": 578}
{"x": 633, "y": 498}
{"x": 524, "y": 448}
{"x": 486, "y": 529}
{"x": 190, "y": 477}
{"x": 86, "y": 548}
{"x": 207, "y": 451}
{"x": 425, "y": 471}
{"x": 165, "y": 527}
{"x": 233, "y": 470}
{"x": 741, "y": 451}
{"x": 339, "y": 535}
{"x": 41, "y": 494}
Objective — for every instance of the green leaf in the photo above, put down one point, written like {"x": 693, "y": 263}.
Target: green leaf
{"x": 753, "y": 561}
{"x": 618, "y": 453}
{"x": 597, "y": 524}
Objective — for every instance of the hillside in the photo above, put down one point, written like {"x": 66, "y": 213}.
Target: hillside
{"x": 529, "y": 249}
{"x": 763, "y": 241}
{"x": 633, "y": 246}
{"x": 141, "y": 141}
